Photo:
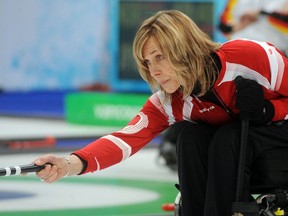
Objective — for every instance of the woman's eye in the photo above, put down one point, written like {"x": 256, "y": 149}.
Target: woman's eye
{"x": 159, "y": 58}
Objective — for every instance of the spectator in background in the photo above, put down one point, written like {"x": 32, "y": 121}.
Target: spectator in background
{"x": 262, "y": 20}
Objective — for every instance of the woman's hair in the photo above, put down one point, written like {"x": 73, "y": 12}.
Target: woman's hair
{"x": 186, "y": 47}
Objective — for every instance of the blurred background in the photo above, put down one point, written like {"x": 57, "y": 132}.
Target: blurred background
{"x": 67, "y": 77}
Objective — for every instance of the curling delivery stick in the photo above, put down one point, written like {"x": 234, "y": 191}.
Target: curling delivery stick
{"x": 17, "y": 170}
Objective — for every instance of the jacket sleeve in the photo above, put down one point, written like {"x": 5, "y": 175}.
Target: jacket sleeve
{"x": 120, "y": 145}
{"x": 279, "y": 85}
{"x": 280, "y": 108}
{"x": 260, "y": 61}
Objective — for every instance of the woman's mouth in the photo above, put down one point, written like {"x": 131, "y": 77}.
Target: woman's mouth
{"x": 162, "y": 83}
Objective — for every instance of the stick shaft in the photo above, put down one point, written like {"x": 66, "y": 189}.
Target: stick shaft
{"x": 242, "y": 159}
{"x": 17, "y": 170}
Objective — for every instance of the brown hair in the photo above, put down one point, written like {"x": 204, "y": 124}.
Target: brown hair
{"x": 187, "y": 48}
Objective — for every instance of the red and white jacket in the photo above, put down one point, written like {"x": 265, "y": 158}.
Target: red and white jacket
{"x": 255, "y": 60}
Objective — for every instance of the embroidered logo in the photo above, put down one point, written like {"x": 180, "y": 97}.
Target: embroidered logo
{"x": 206, "y": 109}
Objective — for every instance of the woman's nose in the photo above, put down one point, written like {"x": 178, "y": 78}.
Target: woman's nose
{"x": 154, "y": 70}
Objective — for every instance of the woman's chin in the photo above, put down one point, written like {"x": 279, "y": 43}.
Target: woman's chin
{"x": 170, "y": 91}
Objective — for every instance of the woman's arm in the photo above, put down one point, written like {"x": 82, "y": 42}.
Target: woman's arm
{"x": 107, "y": 150}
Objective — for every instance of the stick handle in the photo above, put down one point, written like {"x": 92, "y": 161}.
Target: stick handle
{"x": 17, "y": 170}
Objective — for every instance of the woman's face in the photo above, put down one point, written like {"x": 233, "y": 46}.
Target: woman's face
{"x": 159, "y": 67}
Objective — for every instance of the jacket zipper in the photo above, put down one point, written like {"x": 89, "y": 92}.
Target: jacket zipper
{"x": 229, "y": 111}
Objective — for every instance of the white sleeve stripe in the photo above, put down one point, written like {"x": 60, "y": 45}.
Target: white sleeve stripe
{"x": 98, "y": 165}
{"x": 126, "y": 149}
{"x": 280, "y": 73}
{"x": 132, "y": 129}
{"x": 276, "y": 64}
{"x": 233, "y": 70}
{"x": 274, "y": 69}
{"x": 273, "y": 62}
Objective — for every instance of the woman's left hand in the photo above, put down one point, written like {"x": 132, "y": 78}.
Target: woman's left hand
{"x": 55, "y": 167}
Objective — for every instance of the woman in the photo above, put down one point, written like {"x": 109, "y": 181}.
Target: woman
{"x": 193, "y": 83}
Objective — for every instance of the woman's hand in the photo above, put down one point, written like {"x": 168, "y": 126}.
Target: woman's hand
{"x": 246, "y": 19}
{"x": 58, "y": 167}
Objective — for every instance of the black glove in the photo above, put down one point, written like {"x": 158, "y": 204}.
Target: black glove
{"x": 250, "y": 101}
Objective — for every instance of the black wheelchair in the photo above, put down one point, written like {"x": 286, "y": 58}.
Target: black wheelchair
{"x": 269, "y": 183}
{"x": 271, "y": 195}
